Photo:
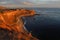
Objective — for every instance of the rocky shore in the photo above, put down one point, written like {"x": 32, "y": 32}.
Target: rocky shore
{"x": 12, "y": 26}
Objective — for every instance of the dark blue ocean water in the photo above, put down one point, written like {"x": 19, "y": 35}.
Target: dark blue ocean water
{"x": 47, "y": 25}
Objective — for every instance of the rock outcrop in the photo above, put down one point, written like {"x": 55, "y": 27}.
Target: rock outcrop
{"x": 11, "y": 21}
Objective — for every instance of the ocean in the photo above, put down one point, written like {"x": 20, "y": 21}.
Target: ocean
{"x": 46, "y": 26}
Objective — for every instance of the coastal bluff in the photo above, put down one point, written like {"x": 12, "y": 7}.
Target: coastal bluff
{"x": 12, "y": 25}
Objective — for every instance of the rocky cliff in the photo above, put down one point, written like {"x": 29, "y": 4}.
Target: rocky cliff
{"x": 12, "y": 26}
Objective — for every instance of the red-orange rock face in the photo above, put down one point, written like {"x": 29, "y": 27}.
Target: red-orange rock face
{"x": 11, "y": 20}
